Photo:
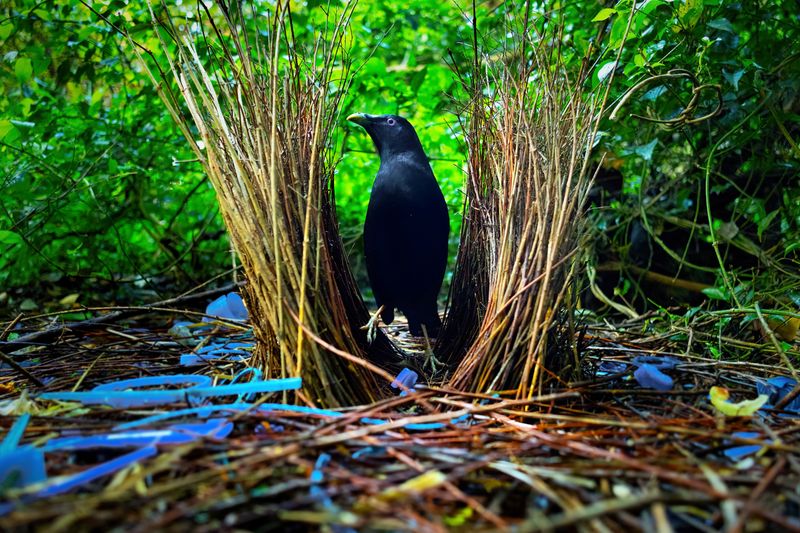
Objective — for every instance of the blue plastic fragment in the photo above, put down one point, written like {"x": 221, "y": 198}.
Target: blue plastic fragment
{"x": 406, "y": 378}
{"x": 96, "y": 472}
{"x": 317, "y": 474}
{"x": 61, "y": 485}
{"x": 237, "y": 307}
{"x": 255, "y": 375}
{"x": 320, "y": 495}
{"x": 20, "y": 467}
{"x": 777, "y": 388}
{"x": 217, "y": 350}
{"x": 215, "y": 428}
{"x": 156, "y": 381}
{"x": 649, "y": 376}
{"x": 229, "y": 306}
{"x": 369, "y": 450}
{"x": 740, "y": 452}
{"x": 135, "y": 398}
{"x": 14, "y": 435}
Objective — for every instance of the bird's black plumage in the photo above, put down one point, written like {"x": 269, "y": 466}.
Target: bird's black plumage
{"x": 407, "y": 226}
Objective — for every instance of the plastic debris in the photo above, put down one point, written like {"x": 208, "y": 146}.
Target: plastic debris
{"x": 113, "y": 397}
{"x": 406, "y": 379}
{"x": 19, "y": 466}
{"x": 776, "y": 388}
{"x": 229, "y": 306}
{"x": 424, "y": 426}
{"x": 650, "y": 377}
{"x": 218, "y": 350}
{"x": 649, "y": 374}
{"x": 739, "y": 452}
{"x": 14, "y": 434}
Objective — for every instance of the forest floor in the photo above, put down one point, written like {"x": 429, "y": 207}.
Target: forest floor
{"x": 607, "y": 452}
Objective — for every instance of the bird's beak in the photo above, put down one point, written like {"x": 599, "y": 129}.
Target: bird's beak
{"x": 362, "y": 119}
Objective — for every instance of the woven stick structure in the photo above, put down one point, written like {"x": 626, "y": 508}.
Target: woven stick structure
{"x": 530, "y": 131}
{"x": 259, "y": 116}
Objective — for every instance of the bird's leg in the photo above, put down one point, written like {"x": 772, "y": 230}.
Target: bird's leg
{"x": 430, "y": 358}
{"x": 372, "y": 325}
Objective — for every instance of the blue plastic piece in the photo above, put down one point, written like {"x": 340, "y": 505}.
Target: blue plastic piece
{"x": 406, "y": 378}
{"x": 156, "y": 381}
{"x": 213, "y": 351}
{"x": 650, "y": 377}
{"x": 15, "y": 434}
{"x": 229, "y": 306}
{"x": 256, "y": 375}
{"x": 369, "y": 450}
{"x": 739, "y": 452}
{"x": 316, "y": 474}
{"x": 95, "y": 472}
{"x": 77, "y": 480}
{"x": 135, "y": 398}
{"x": 777, "y": 388}
{"x": 21, "y": 467}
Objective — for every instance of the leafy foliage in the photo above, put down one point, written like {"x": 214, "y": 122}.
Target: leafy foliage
{"x": 97, "y": 183}
{"x": 722, "y": 169}
{"x": 93, "y": 184}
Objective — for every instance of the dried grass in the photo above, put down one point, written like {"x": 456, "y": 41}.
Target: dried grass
{"x": 259, "y": 115}
{"x": 530, "y": 129}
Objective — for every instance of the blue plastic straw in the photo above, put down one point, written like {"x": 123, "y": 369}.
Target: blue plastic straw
{"x": 77, "y": 480}
{"x": 135, "y": 398}
{"x": 15, "y": 434}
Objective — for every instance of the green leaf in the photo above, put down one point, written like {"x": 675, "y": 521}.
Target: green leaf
{"x": 5, "y": 30}
{"x": 23, "y": 69}
{"x": 722, "y": 24}
{"x": 5, "y": 128}
{"x": 716, "y": 293}
{"x": 604, "y": 14}
{"x": 9, "y": 238}
{"x": 689, "y": 13}
{"x": 764, "y": 223}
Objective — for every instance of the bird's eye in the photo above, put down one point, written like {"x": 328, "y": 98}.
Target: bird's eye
{"x": 391, "y": 122}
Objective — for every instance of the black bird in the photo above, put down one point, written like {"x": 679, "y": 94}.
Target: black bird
{"x": 407, "y": 226}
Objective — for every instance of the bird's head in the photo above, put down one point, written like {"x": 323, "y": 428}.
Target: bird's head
{"x": 390, "y": 133}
